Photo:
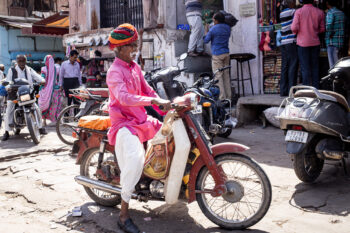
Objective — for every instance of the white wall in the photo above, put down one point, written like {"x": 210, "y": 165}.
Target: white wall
{"x": 245, "y": 39}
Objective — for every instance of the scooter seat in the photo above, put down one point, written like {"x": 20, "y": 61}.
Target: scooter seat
{"x": 308, "y": 93}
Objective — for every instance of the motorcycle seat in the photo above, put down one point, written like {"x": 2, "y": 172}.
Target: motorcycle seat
{"x": 308, "y": 93}
{"x": 103, "y": 92}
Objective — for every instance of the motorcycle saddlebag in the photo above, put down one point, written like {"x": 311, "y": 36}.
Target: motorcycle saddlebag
{"x": 95, "y": 122}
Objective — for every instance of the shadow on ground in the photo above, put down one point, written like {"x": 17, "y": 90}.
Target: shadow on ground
{"x": 330, "y": 194}
{"x": 159, "y": 220}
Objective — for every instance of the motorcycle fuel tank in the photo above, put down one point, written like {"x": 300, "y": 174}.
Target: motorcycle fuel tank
{"x": 318, "y": 116}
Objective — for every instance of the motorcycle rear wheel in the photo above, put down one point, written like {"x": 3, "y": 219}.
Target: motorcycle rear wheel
{"x": 307, "y": 166}
{"x": 33, "y": 127}
{"x": 227, "y": 133}
{"x": 67, "y": 115}
{"x": 88, "y": 168}
{"x": 234, "y": 210}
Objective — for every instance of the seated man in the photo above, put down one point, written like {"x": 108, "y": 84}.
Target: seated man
{"x": 21, "y": 70}
{"x": 131, "y": 127}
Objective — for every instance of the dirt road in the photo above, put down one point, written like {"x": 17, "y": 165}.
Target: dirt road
{"x": 37, "y": 192}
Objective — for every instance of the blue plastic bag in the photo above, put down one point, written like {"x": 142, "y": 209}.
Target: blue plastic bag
{"x": 3, "y": 91}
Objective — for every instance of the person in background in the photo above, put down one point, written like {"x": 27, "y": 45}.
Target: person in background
{"x": 58, "y": 63}
{"x": 150, "y": 14}
{"x": 219, "y": 36}
{"x": 129, "y": 93}
{"x": 2, "y": 70}
{"x": 50, "y": 101}
{"x": 21, "y": 70}
{"x": 308, "y": 23}
{"x": 335, "y": 31}
{"x": 289, "y": 49}
{"x": 194, "y": 19}
{"x": 70, "y": 75}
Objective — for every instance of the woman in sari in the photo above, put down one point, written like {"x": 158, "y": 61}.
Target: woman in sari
{"x": 50, "y": 100}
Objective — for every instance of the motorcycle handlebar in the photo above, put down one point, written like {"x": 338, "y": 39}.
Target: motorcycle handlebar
{"x": 161, "y": 107}
{"x": 182, "y": 70}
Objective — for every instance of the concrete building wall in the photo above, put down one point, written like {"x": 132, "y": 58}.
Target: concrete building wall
{"x": 245, "y": 39}
{"x": 77, "y": 16}
{"x": 4, "y": 42}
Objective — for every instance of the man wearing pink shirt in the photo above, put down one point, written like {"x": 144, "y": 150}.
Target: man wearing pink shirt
{"x": 308, "y": 23}
{"x": 131, "y": 127}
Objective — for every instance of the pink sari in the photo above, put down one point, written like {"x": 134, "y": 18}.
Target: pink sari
{"x": 50, "y": 100}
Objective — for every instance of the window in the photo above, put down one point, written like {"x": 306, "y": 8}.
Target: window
{"x": 116, "y": 12}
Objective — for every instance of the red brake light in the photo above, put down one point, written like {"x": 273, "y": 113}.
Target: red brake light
{"x": 297, "y": 127}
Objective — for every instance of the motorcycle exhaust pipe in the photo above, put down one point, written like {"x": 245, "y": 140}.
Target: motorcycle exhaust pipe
{"x": 100, "y": 185}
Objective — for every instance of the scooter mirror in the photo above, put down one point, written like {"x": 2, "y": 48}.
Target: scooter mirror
{"x": 183, "y": 56}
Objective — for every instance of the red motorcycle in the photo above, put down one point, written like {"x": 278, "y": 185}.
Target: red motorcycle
{"x": 231, "y": 189}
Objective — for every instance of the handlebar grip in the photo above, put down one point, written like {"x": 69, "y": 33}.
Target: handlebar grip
{"x": 184, "y": 69}
{"x": 161, "y": 107}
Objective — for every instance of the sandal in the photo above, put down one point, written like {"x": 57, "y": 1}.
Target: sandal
{"x": 128, "y": 226}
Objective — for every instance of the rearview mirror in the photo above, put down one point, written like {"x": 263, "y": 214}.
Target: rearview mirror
{"x": 183, "y": 56}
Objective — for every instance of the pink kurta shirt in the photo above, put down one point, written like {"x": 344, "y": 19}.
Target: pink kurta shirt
{"x": 128, "y": 94}
{"x": 308, "y": 22}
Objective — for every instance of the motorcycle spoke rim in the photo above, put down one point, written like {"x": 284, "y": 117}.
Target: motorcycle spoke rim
{"x": 250, "y": 203}
{"x": 90, "y": 172}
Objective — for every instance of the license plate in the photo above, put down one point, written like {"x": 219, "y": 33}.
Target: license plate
{"x": 198, "y": 110}
{"x": 296, "y": 136}
{"x": 82, "y": 105}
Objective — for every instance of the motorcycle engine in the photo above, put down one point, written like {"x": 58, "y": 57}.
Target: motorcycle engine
{"x": 157, "y": 189}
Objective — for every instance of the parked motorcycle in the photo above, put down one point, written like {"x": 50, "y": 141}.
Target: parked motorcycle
{"x": 317, "y": 123}
{"x": 231, "y": 189}
{"x": 90, "y": 100}
{"x": 24, "y": 96}
{"x": 163, "y": 80}
{"x": 212, "y": 112}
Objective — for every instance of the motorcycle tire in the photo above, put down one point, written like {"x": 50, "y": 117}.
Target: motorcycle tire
{"x": 68, "y": 138}
{"x": 84, "y": 167}
{"x": 232, "y": 198}
{"x": 32, "y": 127}
{"x": 227, "y": 133}
{"x": 307, "y": 166}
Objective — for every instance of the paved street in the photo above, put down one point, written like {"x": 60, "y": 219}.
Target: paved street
{"x": 37, "y": 191}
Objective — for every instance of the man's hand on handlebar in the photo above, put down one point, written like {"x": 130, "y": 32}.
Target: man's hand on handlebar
{"x": 164, "y": 104}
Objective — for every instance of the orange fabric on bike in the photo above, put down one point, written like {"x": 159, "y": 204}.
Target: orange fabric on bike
{"x": 95, "y": 122}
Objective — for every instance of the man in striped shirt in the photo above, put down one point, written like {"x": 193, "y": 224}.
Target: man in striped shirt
{"x": 335, "y": 25}
{"x": 289, "y": 49}
{"x": 194, "y": 19}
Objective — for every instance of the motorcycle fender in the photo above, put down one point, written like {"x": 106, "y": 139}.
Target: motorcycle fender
{"x": 218, "y": 149}
{"x": 297, "y": 147}
{"x": 82, "y": 112}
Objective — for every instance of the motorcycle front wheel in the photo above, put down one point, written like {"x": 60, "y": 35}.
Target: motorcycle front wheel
{"x": 33, "y": 127}
{"x": 88, "y": 168}
{"x": 248, "y": 197}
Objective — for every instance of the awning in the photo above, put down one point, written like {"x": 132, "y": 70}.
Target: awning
{"x": 34, "y": 55}
{"x": 56, "y": 25}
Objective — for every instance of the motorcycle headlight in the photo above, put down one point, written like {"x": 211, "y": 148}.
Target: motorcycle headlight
{"x": 194, "y": 100}
{"x": 25, "y": 97}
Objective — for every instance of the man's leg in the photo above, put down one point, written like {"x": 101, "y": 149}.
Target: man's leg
{"x": 304, "y": 58}
{"x": 147, "y": 4}
{"x": 8, "y": 119}
{"x": 284, "y": 71}
{"x": 216, "y": 63}
{"x": 200, "y": 41}
{"x": 314, "y": 58}
{"x": 330, "y": 56}
{"x": 42, "y": 130}
{"x": 197, "y": 31}
{"x": 130, "y": 155}
{"x": 292, "y": 65}
{"x": 226, "y": 76}
{"x": 154, "y": 13}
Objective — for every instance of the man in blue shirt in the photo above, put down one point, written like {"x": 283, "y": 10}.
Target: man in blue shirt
{"x": 219, "y": 36}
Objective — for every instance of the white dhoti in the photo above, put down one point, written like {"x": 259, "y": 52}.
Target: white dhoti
{"x": 131, "y": 157}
